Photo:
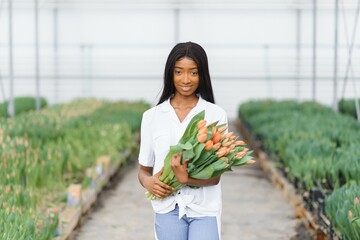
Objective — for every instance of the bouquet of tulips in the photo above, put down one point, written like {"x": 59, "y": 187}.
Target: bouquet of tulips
{"x": 210, "y": 152}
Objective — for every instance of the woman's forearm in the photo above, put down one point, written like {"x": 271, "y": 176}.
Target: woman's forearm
{"x": 203, "y": 182}
{"x": 144, "y": 173}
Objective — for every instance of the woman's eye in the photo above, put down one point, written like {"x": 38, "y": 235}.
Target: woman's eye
{"x": 177, "y": 72}
{"x": 194, "y": 73}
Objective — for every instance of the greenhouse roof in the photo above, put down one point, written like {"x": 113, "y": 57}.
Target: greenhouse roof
{"x": 184, "y": 4}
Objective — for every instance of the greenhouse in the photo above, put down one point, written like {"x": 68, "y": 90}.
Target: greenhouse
{"x": 114, "y": 114}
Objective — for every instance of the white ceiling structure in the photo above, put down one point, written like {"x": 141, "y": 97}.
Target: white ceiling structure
{"x": 275, "y": 47}
{"x": 204, "y": 4}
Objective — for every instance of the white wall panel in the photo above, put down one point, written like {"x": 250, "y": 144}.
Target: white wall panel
{"x": 128, "y": 27}
{"x": 120, "y": 52}
{"x": 238, "y": 26}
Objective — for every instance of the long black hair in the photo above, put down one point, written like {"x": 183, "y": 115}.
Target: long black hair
{"x": 196, "y": 53}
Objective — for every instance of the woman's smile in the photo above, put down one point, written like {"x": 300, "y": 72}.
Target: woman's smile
{"x": 186, "y": 87}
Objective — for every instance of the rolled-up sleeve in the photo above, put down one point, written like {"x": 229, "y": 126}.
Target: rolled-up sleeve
{"x": 224, "y": 118}
{"x": 146, "y": 154}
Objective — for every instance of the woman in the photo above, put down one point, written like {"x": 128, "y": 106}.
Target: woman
{"x": 189, "y": 213}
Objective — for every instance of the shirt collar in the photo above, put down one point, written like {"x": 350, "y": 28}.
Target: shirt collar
{"x": 166, "y": 106}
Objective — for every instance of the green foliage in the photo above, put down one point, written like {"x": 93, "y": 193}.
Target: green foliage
{"x": 316, "y": 146}
{"x": 128, "y": 112}
{"x": 347, "y": 106}
{"x": 22, "y": 105}
{"x": 43, "y": 152}
{"x": 343, "y": 209}
{"x": 310, "y": 139}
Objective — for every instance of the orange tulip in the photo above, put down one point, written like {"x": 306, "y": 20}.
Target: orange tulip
{"x": 201, "y": 124}
{"x": 226, "y": 144}
{"x": 222, "y": 129}
{"x": 208, "y": 146}
{"x": 240, "y": 155}
{"x": 228, "y": 135}
{"x": 227, "y": 151}
{"x": 202, "y": 130}
{"x": 217, "y": 145}
{"x": 239, "y": 143}
{"x": 221, "y": 152}
{"x": 213, "y": 130}
{"x": 202, "y": 137}
{"x": 216, "y": 138}
{"x": 223, "y": 149}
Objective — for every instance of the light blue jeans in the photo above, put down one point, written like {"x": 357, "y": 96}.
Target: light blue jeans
{"x": 168, "y": 226}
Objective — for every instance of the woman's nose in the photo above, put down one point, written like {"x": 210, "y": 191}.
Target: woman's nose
{"x": 186, "y": 78}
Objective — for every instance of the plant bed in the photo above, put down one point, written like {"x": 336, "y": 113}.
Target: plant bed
{"x": 72, "y": 217}
{"x": 44, "y": 152}
{"x": 317, "y": 151}
{"x": 318, "y": 224}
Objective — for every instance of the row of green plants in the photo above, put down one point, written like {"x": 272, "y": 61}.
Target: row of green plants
{"x": 343, "y": 208}
{"x": 43, "y": 152}
{"x": 316, "y": 148}
{"x": 348, "y": 106}
{"x": 21, "y": 105}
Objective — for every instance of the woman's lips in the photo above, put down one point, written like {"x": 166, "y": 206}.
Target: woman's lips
{"x": 186, "y": 88}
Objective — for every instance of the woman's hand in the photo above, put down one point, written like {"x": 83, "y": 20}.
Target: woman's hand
{"x": 180, "y": 170}
{"x": 182, "y": 175}
{"x": 153, "y": 183}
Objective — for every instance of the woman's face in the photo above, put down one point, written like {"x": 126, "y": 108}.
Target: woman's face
{"x": 186, "y": 77}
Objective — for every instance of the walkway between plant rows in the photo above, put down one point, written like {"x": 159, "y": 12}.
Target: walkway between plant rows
{"x": 252, "y": 209}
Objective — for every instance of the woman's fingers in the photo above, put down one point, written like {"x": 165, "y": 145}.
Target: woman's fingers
{"x": 162, "y": 192}
{"x": 160, "y": 189}
{"x": 176, "y": 159}
{"x": 164, "y": 186}
{"x": 186, "y": 162}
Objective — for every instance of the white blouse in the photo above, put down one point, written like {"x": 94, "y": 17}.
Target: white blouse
{"x": 160, "y": 129}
